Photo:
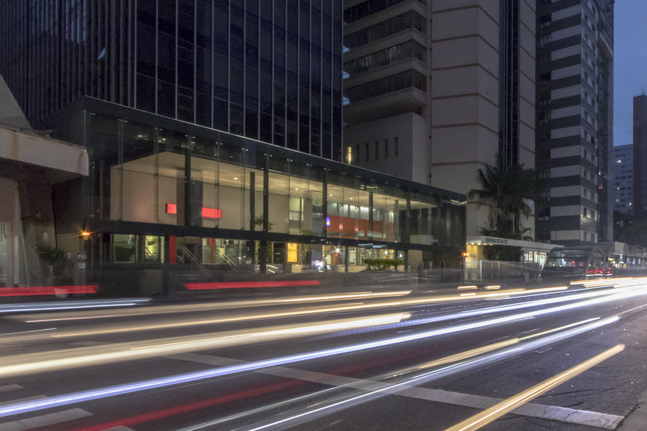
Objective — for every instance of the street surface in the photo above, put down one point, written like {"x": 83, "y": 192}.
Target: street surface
{"x": 388, "y": 358}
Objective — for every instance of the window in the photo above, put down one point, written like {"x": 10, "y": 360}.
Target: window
{"x": 377, "y": 150}
{"x": 368, "y": 8}
{"x": 389, "y": 84}
{"x": 386, "y": 28}
{"x": 585, "y": 212}
{"x": 395, "y": 143}
{"x": 406, "y": 50}
{"x": 367, "y": 152}
{"x": 386, "y": 148}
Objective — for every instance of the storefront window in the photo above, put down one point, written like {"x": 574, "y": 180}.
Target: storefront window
{"x": 231, "y": 184}
{"x": 140, "y": 170}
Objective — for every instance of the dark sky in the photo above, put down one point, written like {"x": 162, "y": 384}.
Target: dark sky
{"x": 630, "y": 67}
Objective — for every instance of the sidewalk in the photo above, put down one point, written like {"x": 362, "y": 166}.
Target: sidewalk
{"x": 636, "y": 419}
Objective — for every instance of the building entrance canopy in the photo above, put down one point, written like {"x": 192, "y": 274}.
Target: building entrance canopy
{"x": 524, "y": 245}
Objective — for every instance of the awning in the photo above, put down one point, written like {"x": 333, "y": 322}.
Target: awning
{"x": 524, "y": 245}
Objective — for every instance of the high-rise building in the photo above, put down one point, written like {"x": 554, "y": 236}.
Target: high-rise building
{"x": 574, "y": 120}
{"x": 264, "y": 69}
{"x": 640, "y": 155}
{"x": 213, "y": 131}
{"x": 436, "y": 90}
{"x": 623, "y": 182}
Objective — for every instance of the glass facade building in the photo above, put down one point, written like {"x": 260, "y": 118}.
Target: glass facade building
{"x": 162, "y": 190}
{"x": 263, "y": 69}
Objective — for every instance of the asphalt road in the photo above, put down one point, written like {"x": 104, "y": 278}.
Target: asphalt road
{"x": 386, "y": 359}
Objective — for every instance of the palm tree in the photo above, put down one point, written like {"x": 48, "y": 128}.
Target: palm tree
{"x": 505, "y": 189}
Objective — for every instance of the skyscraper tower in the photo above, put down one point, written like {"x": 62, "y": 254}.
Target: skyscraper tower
{"x": 574, "y": 120}
{"x": 264, "y": 69}
{"x": 640, "y": 155}
{"x": 436, "y": 90}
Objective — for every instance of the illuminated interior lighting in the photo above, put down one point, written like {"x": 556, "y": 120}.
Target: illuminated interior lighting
{"x": 171, "y": 209}
{"x": 211, "y": 213}
{"x": 236, "y": 178}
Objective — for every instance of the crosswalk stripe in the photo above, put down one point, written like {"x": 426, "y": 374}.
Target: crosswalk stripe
{"x": 45, "y": 420}
{"x": 562, "y": 414}
{"x": 8, "y": 388}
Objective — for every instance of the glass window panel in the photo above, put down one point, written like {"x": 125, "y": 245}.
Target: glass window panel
{"x": 140, "y": 173}
{"x": 280, "y": 205}
{"x": 231, "y": 181}
{"x": 106, "y": 173}
{"x": 258, "y": 199}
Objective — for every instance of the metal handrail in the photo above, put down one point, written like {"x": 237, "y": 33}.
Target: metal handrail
{"x": 199, "y": 264}
{"x": 228, "y": 260}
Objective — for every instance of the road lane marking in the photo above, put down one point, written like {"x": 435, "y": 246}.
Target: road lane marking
{"x": 44, "y": 420}
{"x": 8, "y": 388}
{"x": 561, "y": 414}
{"x": 508, "y": 405}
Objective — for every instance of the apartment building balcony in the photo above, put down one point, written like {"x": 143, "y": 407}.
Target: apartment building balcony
{"x": 386, "y": 105}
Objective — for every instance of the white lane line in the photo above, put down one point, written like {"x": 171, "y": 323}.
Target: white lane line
{"x": 44, "y": 420}
{"x": 561, "y": 414}
{"x": 38, "y": 397}
{"x": 8, "y": 388}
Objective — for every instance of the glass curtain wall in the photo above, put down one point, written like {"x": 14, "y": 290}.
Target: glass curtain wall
{"x": 159, "y": 176}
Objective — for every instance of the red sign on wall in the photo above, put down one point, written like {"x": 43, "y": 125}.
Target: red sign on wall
{"x": 206, "y": 212}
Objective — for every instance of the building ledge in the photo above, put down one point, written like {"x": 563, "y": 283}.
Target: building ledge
{"x": 57, "y": 160}
{"x": 386, "y": 105}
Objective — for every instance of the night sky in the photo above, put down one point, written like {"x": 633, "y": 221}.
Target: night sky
{"x": 630, "y": 66}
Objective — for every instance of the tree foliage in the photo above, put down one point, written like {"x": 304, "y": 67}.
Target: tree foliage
{"x": 383, "y": 264}
{"x": 506, "y": 189}
{"x": 60, "y": 263}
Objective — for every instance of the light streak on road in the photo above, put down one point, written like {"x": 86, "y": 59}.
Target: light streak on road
{"x": 66, "y": 359}
{"x": 71, "y": 305}
{"x": 244, "y": 317}
{"x": 61, "y": 400}
{"x": 505, "y": 406}
{"x": 380, "y": 389}
{"x": 189, "y": 308}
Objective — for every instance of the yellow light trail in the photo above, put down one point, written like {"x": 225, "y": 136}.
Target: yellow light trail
{"x": 190, "y": 308}
{"x": 505, "y": 406}
{"x": 245, "y": 317}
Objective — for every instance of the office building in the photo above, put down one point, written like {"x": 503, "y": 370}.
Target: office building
{"x": 214, "y": 133}
{"x": 437, "y": 89}
{"x": 623, "y": 181}
{"x": 575, "y": 121}
{"x": 640, "y": 155}
{"x": 264, "y": 69}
